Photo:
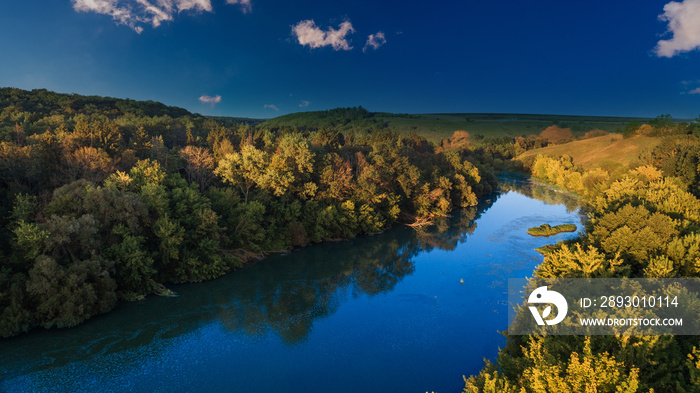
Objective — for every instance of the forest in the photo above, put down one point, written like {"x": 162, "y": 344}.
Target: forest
{"x": 106, "y": 200}
{"x": 645, "y": 220}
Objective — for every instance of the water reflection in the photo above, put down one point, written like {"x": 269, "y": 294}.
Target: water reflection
{"x": 381, "y": 313}
{"x": 282, "y": 295}
{"x": 536, "y": 190}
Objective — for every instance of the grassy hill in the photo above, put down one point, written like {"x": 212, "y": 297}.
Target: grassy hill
{"x": 436, "y": 127}
{"x": 600, "y": 151}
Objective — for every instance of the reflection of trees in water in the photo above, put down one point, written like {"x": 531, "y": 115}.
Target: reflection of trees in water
{"x": 448, "y": 232}
{"x": 283, "y": 294}
{"x": 289, "y": 304}
{"x": 287, "y": 294}
{"x": 531, "y": 188}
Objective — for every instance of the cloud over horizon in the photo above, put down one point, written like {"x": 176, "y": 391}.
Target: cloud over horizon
{"x": 307, "y": 33}
{"x": 136, "y": 13}
{"x": 304, "y": 104}
{"x": 271, "y": 106}
{"x": 374, "y": 41}
{"x": 683, "y": 23}
{"x": 205, "y": 99}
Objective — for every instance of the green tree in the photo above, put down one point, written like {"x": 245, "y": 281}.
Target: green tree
{"x": 630, "y": 128}
{"x": 244, "y": 169}
{"x": 132, "y": 263}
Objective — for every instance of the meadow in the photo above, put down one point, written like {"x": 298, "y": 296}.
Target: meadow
{"x": 603, "y": 151}
{"x": 436, "y": 127}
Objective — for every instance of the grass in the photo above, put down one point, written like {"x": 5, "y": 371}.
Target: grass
{"x": 436, "y": 127}
{"x": 600, "y": 152}
{"x": 547, "y": 230}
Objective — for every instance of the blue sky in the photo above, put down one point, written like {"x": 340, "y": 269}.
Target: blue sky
{"x": 265, "y": 58}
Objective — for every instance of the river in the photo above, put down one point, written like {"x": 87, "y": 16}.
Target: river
{"x": 385, "y": 313}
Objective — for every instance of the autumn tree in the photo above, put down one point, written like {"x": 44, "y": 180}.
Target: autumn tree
{"x": 244, "y": 169}
{"x": 199, "y": 165}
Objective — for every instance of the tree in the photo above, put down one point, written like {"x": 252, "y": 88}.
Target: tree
{"x": 170, "y": 235}
{"x": 199, "y": 165}
{"x": 633, "y": 232}
{"x": 18, "y": 135}
{"x": 663, "y": 123}
{"x": 244, "y": 169}
{"x": 336, "y": 181}
{"x": 66, "y": 296}
{"x": 288, "y": 167}
{"x": 132, "y": 263}
{"x": 630, "y": 128}
{"x": 108, "y": 137}
{"x": 141, "y": 142}
{"x": 89, "y": 163}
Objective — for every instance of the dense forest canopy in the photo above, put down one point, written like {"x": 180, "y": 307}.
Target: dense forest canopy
{"x": 104, "y": 200}
{"x": 645, "y": 222}
{"x": 357, "y": 118}
{"x": 28, "y": 106}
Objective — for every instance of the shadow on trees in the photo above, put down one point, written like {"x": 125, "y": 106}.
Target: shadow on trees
{"x": 283, "y": 295}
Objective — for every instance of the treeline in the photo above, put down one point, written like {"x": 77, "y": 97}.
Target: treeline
{"x": 22, "y": 106}
{"x": 662, "y": 125}
{"x": 341, "y": 119}
{"x": 645, "y": 223}
{"x": 104, "y": 205}
{"x": 242, "y": 303}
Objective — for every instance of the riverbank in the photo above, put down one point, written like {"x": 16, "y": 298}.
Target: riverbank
{"x": 389, "y": 306}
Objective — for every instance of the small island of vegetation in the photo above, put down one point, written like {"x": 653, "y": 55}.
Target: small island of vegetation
{"x": 546, "y": 230}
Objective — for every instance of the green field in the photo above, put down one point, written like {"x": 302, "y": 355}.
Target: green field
{"x": 436, "y": 127}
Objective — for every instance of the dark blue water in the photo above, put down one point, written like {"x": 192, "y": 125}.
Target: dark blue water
{"x": 373, "y": 314}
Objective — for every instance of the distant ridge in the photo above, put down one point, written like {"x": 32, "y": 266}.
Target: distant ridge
{"x": 47, "y": 102}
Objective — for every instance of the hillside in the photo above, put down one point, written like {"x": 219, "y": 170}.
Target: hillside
{"x": 44, "y": 103}
{"x": 597, "y": 152}
{"x": 356, "y": 118}
{"x": 436, "y": 127}
{"x": 105, "y": 200}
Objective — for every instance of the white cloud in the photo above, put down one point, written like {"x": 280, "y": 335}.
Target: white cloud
{"x": 246, "y": 5}
{"x": 683, "y": 23}
{"x": 695, "y": 91}
{"x": 136, "y": 13}
{"x": 271, "y": 106}
{"x": 374, "y": 41}
{"x": 308, "y": 33}
{"x": 210, "y": 100}
{"x": 304, "y": 104}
